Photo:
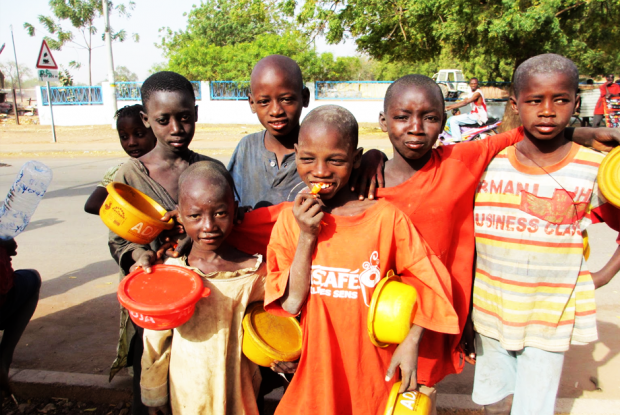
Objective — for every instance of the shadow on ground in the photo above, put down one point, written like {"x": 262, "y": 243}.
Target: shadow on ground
{"x": 78, "y": 339}
{"x": 75, "y": 278}
{"x": 78, "y": 190}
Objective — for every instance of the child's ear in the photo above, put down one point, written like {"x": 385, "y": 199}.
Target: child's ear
{"x": 383, "y": 122}
{"x": 252, "y": 104}
{"x": 513, "y": 104}
{"x": 196, "y": 110}
{"x": 145, "y": 119}
{"x": 357, "y": 158}
{"x": 305, "y": 96}
{"x": 295, "y": 147}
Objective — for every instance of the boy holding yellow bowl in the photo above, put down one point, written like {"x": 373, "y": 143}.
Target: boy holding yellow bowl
{"x": 327, "y": 254}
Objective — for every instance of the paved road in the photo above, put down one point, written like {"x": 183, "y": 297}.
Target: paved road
{"x": 76, "y": 324}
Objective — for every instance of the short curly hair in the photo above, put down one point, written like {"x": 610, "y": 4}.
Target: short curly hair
{"x": 413, "y": 81}
{"x": 166, "y": 81}
{"x": 544, "y": 64}
{"x": 336, "y": 117}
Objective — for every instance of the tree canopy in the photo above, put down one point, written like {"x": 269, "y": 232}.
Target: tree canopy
{"x": 496, "y": 35}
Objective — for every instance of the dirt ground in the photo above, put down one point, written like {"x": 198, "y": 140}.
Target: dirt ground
{"x": 57, "y": 406}
{"x": 102, "y": 140}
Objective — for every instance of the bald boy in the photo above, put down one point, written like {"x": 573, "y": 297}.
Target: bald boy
{"x": 263, "y": 164}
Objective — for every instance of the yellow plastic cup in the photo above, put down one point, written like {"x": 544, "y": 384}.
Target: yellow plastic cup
{"x": 391, "y": 311}
{"x": 268, "y": 338}
{"x": 608, "y": 177}
{"x": 132, "y": 215}
{"x": 408, "y": 403}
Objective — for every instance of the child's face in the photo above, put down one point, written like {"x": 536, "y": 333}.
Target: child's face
{"x": 413, "y": 120}
{"x": 172, "y": 117}
{"x": 136, "y": 139}
{"x": 545, "y": 104}
{"x": 207, "y": 211}
{"x": 323, "y": 155}
{"x": 278, "y": 101}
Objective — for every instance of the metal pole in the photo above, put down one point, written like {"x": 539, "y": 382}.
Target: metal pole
{"x": 15, "y": 107}
{"x": 108, "y": 45}
{"x": 19, "y": 81}
{"x": 49, "y": 101}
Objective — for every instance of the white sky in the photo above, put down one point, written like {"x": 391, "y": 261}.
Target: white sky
{"x": 146, "y": 19}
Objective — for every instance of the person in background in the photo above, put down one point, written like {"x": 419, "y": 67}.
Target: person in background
{"x": 608, "y": 89}
{"x": 477, "y": 115}
{"x": 19, "y": 296}
{"x": 136, "y": 140}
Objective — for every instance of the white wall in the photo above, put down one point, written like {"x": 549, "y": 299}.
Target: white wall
{"x": 216, "y": 111}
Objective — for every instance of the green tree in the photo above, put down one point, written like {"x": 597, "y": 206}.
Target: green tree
{"x": 228, "y": 22}
{"x": 81, "y": 14}
{"x": 199, "y": 60}
{"x": 123, "y": 74}
{"x": 491, "y": 34}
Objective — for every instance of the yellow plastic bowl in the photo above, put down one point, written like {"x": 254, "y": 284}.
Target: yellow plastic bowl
{"x": 408, "y": 403}
{"x": 391, "y": 312}
{"x": 609, "y": 177}
{"x": 586, "y": 245}
{"x": 268, "y": 338}
{"x": 132, "y": 215}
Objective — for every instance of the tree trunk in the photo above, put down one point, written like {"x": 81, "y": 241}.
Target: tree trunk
{"x": 511, "y": 119}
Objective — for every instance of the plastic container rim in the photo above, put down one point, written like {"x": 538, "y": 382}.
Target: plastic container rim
{"x": 264, "y": 347}
{"x": 111, "y": 188}
{"x": 155, "y": 310}
{"x": 372, "y": 312}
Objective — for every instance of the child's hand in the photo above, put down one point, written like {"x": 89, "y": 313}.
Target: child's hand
{"x": 284, "y": 367}
{"x": 146, "y": 259}
{"x": 371, "y": 171}
{"x": 10, "y": 246}
{"x": 241, "y": 211}
{"x": 308, "y": 214}
{"x": 155, "y": 410}
{"x": 406, "y": 356}
{"x": 468, "y": 342}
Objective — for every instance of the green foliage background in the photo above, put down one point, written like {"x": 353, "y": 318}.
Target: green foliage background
{"x": 484, "y": 38}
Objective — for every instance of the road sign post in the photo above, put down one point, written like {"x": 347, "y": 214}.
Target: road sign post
{"x": 48, "y": 71}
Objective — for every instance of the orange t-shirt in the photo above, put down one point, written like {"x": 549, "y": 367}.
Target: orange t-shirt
{"x": 439, "y": 200}
{"x": 340, "y": 370}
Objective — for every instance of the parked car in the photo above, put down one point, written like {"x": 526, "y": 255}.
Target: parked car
{"x": 451, "y": 82}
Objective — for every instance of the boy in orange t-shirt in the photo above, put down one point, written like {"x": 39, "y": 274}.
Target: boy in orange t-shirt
{"x": 313, "y": 271}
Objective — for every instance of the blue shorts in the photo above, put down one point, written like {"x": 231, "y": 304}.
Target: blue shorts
{"x": 26, "y": 284}
{"x": 532, "y": 375}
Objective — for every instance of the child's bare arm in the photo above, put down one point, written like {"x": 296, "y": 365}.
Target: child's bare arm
{"x": 95, "y": 200}
{"x": 605, "y": 274}
{"x": 308, "y": 215}
{"x": 406, "y": 356}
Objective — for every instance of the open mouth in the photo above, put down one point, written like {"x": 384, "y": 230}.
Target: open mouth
{"x": 318, "y": 186}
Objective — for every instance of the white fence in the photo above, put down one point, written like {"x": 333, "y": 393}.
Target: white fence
{"x": 211, "y": 111}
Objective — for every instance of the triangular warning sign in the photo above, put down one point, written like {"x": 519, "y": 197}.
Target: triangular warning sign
{"x": 46, "y": 60}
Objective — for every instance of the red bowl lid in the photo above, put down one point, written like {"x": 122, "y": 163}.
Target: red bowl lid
{"x": 167, "y": 289}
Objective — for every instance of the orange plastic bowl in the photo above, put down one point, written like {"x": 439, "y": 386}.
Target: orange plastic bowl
{"x": 164, "y": 299}
{"x": 132, "y": 215}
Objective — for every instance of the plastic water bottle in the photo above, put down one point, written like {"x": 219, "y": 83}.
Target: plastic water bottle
{"x": 23, "y": 198}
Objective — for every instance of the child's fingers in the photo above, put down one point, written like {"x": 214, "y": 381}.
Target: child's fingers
{"x": 372, "y": 189}
{"x": 391, "y": 369}
{"x": 355, "y": 177}
{"x": 379, "y": 177}
{"x": 409, "y": 382}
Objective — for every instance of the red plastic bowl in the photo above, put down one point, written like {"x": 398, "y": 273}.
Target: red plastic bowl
{"x": 164, "y": 299}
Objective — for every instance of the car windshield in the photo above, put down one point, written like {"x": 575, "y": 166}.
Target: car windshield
{"x": 459, "y": 76}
